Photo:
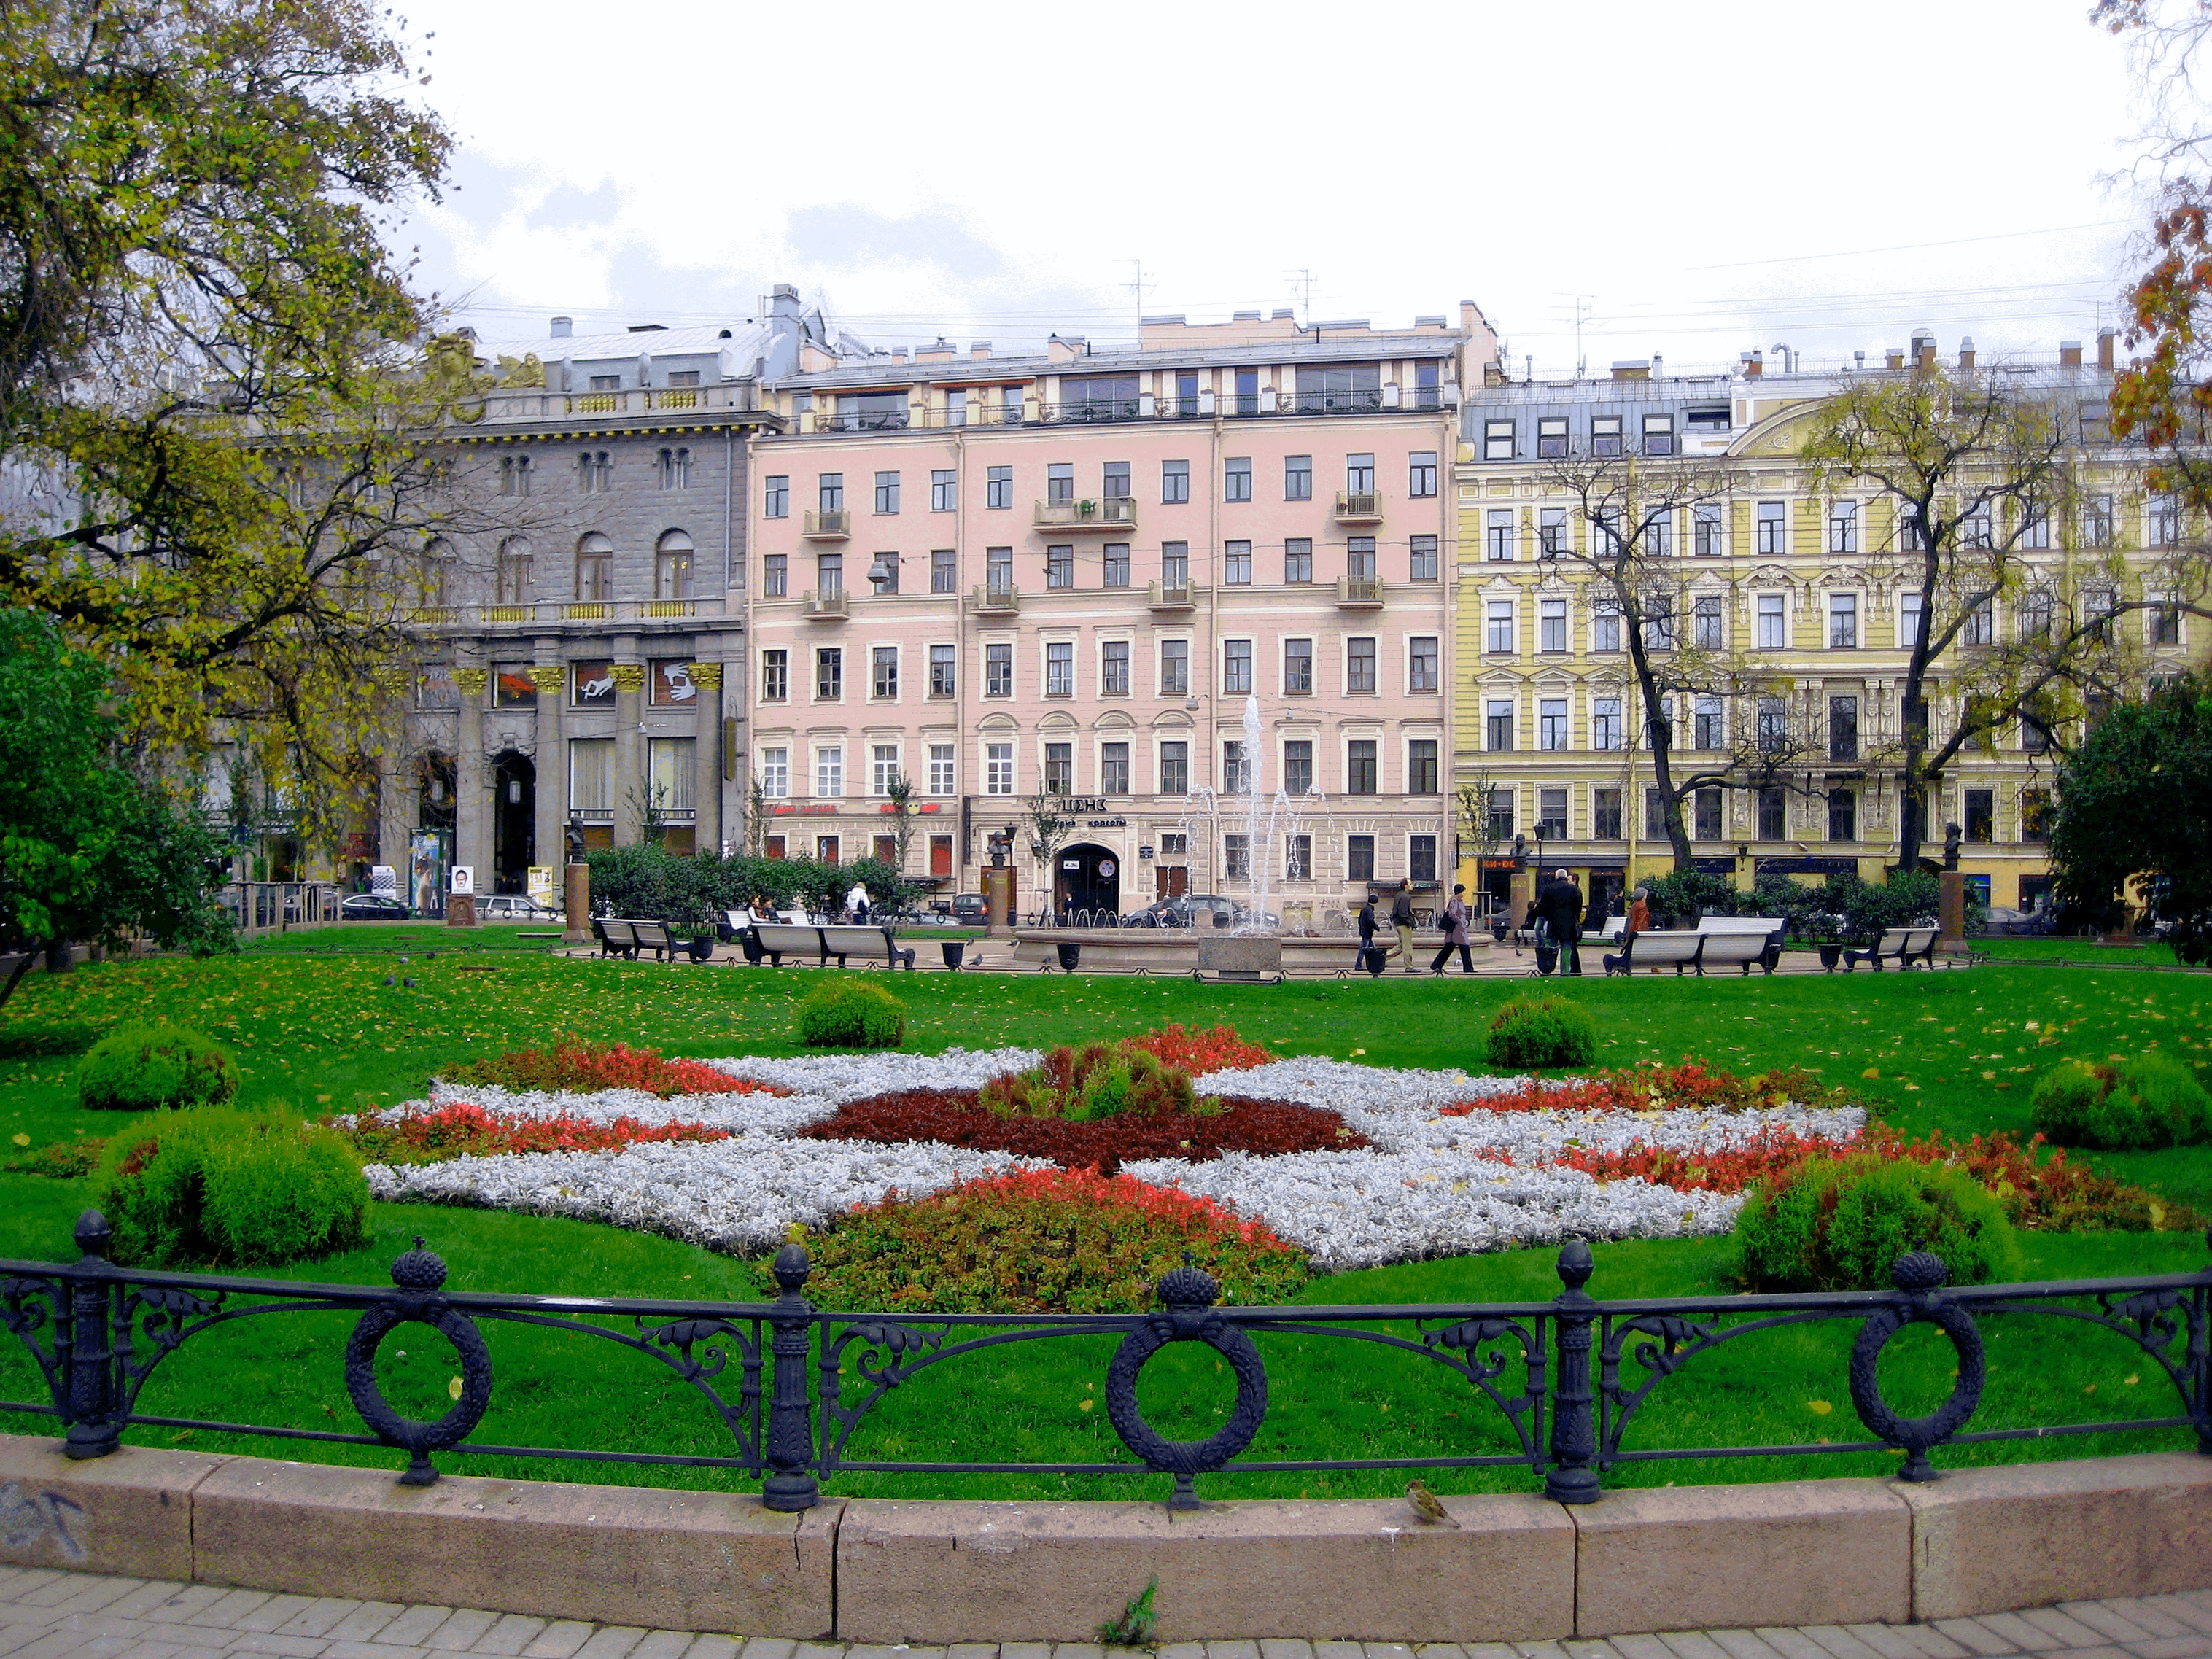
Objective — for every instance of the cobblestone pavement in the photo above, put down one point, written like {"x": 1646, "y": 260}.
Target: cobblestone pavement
{"x": 63, "y": 1615}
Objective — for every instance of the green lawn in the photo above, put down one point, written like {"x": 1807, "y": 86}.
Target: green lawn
{"x": 320, "y": 1028}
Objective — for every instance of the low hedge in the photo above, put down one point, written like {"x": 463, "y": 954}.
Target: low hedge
{"x": 846, "y": 1012}
{"x": 1530, "y": 1033}
{"x": 155, "y": 1067}
{"x": 2143, "y": 1103}
{"x": 229, "y": 1189}
{"x": 1839, "y": 1224}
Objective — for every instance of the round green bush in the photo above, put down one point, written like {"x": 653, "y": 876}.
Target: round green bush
{"x": 1839, "y": 1224}
{"x": 233, "y": 1188}
{"x": 2059, "y": 1107}
{"x": 1532, "y": 1032}
{"x": 150, "y": 1068}
{"x": 2144, "y": 1103}
{"x": 849, "y": 1013}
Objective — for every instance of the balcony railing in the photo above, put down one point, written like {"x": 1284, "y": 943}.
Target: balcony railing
{"x": 1358, "y": 508}
{"x": 827, "y": 525}
{"x": 1100, "y": 512}
{"x": 1089, "y": 411}
{"x": 1171, "y": 596}
{"x": 539, "y": 613}
{"x": 1362, "y": 592}
{"x": 826, "y": 607}
{"x": 536, "y": 404}
{"x": 1003, "y": 597}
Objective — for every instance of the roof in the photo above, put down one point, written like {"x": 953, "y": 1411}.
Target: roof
{"x": 1360, "y": 348}
{"x": 744, "y": 341}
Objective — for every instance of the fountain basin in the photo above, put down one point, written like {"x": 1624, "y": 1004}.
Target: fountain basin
{"x": 1240, "y": 955}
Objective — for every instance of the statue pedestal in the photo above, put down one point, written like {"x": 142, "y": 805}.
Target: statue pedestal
{"x": 1245, "y": 956}
{"x": 1951, "y": 907}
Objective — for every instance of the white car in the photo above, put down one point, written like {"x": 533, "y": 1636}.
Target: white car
{"x": 514, "y": 906}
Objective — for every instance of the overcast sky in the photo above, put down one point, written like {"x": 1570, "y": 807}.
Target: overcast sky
{"x": 1695, "y": 181}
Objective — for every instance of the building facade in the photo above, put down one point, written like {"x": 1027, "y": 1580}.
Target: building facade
{"x": 1086, "y": 574}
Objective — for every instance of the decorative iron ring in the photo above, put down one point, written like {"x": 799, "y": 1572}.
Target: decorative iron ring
{"x": 418, "y": 1274}
{"x": 1184, "y": 1458}
{"x": 1915, "y": 1435}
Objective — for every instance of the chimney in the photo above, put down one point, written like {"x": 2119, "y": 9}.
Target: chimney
{"x": 1632, "y": 369}
{"x": 979, "y": 349}
{"x": 1658, "y": 366}
{"x": 1244, "y": 317}
{"x": 1966, "y": 351}
{"x": 1058, "y": 350}
{"x": 2105, "y": 347}
{"x": 563, "y": 327}
{"x": 2069, "y": 353}
{"x": 1753, "y": 363}
{"x": 1892, "y": 357}
{"x": 1923, "y": 349}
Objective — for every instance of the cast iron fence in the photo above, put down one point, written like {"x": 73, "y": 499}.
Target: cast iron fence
{"x": 1585, "y": 1368}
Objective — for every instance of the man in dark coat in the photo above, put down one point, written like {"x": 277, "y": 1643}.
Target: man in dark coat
{"x": 1559, "y": 908}
{"x": 1367, "y": 926}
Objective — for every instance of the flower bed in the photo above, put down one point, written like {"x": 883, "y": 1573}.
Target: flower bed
{"x": 1199, "y": 1052}
{"x": 573, "y": 1063}
{"x": 464, "y": 1129}
{"x": 1653, "y": 1087}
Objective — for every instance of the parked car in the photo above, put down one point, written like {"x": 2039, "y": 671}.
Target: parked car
{"x": 514, "y": 907}
{"x": 1200, "y": 910}
{"x": 371, "y": 906}
{"x": 968, "y": 909}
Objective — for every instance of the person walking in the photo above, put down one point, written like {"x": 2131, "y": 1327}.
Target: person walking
{"x": 1367, "y": 926}
{"x": 1559, "y": 907}
{"x": 1402, "y": 918}
{"x": 1639, "y": 911}
{"x": 1454, "y": 934}
{"x": 856, "y": 902}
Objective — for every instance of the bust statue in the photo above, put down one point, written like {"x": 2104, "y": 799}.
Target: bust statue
{"x": 571, "y": 834}
{"x": 1950, "y": 847}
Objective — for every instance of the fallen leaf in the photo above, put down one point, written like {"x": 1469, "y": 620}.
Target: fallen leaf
{"x": 2131, "y": 1380}
{"x": 1084, "y": 1405}
{"x": 1871, "y": 1071}
{"x": 1819, "y": 1407}
{"x": 22, "y": 1140}
{"x": 454, "y": 1389}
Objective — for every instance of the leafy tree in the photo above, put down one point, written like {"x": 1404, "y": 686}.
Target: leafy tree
{"x": 1048, "y": 826}
{"x": 2135, "y": 801}
{"x": 88, "y": 850}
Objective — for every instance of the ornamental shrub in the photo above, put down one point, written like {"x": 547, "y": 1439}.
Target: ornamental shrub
{"x": 1044, "y": 1241}
{"x": 2145, "y": 1103}
{"x": 1099, "y": 1080}
{"x": 1530, "y": 1032}
{"x": 1839, "y": 1224}
{"x": 846, "y": 1012}
{"x": 575, "y": 1064}
{"x": 231, "y": 1188}
{"x": 152, "y": 1067}
{"x": 2060, "y": 1104}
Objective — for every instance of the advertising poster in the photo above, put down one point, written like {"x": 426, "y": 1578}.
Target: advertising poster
{"x": 426, "y": 873}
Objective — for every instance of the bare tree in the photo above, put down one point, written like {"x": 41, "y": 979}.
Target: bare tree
{"x": 899, "y": 792}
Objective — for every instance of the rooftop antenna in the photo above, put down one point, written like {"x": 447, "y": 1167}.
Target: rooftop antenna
{"x": 1583, "y": 312}
{"x": 1302, "y": 280}
{"x": 1137, "y": 287}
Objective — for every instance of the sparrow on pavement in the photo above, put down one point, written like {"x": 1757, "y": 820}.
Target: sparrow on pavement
{"x": 1427, "y": 1505}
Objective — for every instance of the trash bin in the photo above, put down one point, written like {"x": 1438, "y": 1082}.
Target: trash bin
{"x": 955, "y": 951}
{"x": 1070, "y": 954}
{"x": 1372, "y": 959}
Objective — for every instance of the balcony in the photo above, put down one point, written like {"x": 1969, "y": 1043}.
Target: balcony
{"x": 664, "y": 610}
{"x": 826, "y": 607}
{"x": 1357, "y": 509}
{"x": 588, "y": 610}
{"x": 828, "y": 525}
{"x": 1359, "y": 593}
{"x": 1105, "y": 513}
{"x": 1000, "y": 598}
{"x": 508, "y": 613}
{"x": 1171, "y": 596}
{"x": 520, "y": 617}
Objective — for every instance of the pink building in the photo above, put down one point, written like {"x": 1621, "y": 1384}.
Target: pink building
{"x": 994, "y": 576}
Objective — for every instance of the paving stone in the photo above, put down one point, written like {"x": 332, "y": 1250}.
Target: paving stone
{"x": 1974, "y": 1636}
{"x": 514, "y": 1632}
{"x": 2142, "y": 1610}
{"x": 461, "y": 1630}
{"x": 912, "y": 1652}
{"x": 365, "y": 1622}
{"x": 202, "y": 1639}
{"x": 1839, "y": 1642}
{"x": 68, "y": 1644}
{"x": 2023, "y": 1636}
{"x": 372, "y": 1651}
{"x": 1214, "y": 1651}
{"x": 1642, "y": 1647}
{"x": 990, "y": 1650}
{"x": 1006, "y": 1650}
{"x": 2070, "y": 1632}
{"x": 713, "y": 1647}
{"x": 1887, "y": 1640}
{"x": 2188, "y": 1610}
{"x": 320, "y": 1617}
{"x": 1094, "y": 1650}
{"x": 836, "y": 1650}
{"x": 1736, "y": 1643}
{"x": 777, "y": 1647}
{"x": 228, "y": 1608}
{"x": 277, "y": 1611}
{"x": 1791, "y": 1643}
{"x": 1692, "y": 1644}
{"x": 1322, "y": 1650}
{"x": 2108, "y": 1622}
{"x": 92, "y": 1594}
{"x": 610, "y": 1642}
{"x": 868, "y": 1650}
{"x": 1374, "y": 1651}
{"x": 413, "y": 1627}
{"x": 559, "y": 1639}
{"x": 1541, "y": 1650}
{"x": 1933, "y": 1643}
{"x": 1588, "y": 1649}
{"x": 1304, "y": 1650}
{"x": 1172, "y": 1650}
{"x": 1472, "y": 1649}
{"x": 290, "y": 1647}
{"x": 662, "y": 1644}
{"x": 2191, "y": 1646}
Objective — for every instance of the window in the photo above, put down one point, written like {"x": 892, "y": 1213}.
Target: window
{"x": 774, "y": 772}
{"x": 1551, "y": 533}
{"x": 1237, "y": 564}
{"x": 1114, "y": 769}
{"x": 1605, "y": 435}
{"x": 1842, "y": 815}
{"x": 1498, "y": 535}
{"x": 1552, "y": 625}
{"x": 1497, "y": 634}
{"x": 775, "y": 676}
{"x": 944, "y": 571}
{"x": 2035, "y": 815}
{"x": 1009, "y": 406}
{"x": 513, "y": 575}
{"x": 1340, "y": 387}
{"x": 943, "y": 676}
{"x": 1843, "y": 528}
{"x": 1605, "y": 814}
{"x": 515, "y": 475}
{"x": 595, "y": 469}
{"x": 944, "y": 489}
{"x": 941, "y": 779}
{"x": 1059, "y": 483}
{"x": 1705, "y": 533}
{"x": 1707, "y": 807}
{"x": 775, "y": 576}
{"x": 1174, "y": 770}
{"x": 826, "y": 849}
{"x": 1297, "y": 667}
{"x": 775, "y": 502}
{"x": 2036, "y": 608}
{"x": 1606, "y": 731}
{"x": 1551, "y": 723}
{"x": 883, "y": 768}
{"x": 888, "y": 581}
{"x": 595, "y": 569}
{"x": 1237, "y": 666}
{"x": 829, "y": 574}
{"x": 998, "y": 569}
{"x": 1359, "y": 758}
{"x": 2098, "y": 605}
{"x": 1297, "y": 858}
{"x": 1421, "y": 857}
{"x": 1659, "y": 623}
{"x": 1773, "y": 725}
{"x": 830, "y": 770}
{"x": 1359, "y": 678}
{"x": 1060, "y": 566}
{"x": 1359, "y": 556}
{"x": 1654, "y": 816}
{"x": 1708, "y": 723}
{"x": 1421, "y": 473}
{"x": 1175, "y": 668}
{"x": 1981, "y": 811}
{"x": 1498, "y": 441}
{"x": 512, "y": 687}
{"x": 2097, "y": 521}
{"x": 1298, "y": 766}
{"x": 883, "y": 679}
{"x": 1843, "y": 728}
{"x": 1297, "y": 560}
{"x": 999, "y": 671}
{"x": 1706, "y": 628}
{"x": 2164, "y": 620}
{"x": 1175, "y": 564}
{"x": 1658, "y": 434}
{"x": 1359, "y": 475}
{"x": 1497, "y": 725}
{"x": 2034, "y": 525}
{"x": 675, "y": 469}
{"x": 1237, "y": 857}
{"x": 1059, "y": 668}
{"x": 955, "y": 406}
{"x": 1235, "y": 768}
{"x": 671, "y": 566}
{"x": 1421, "y": 558}
{"x": 1116, "y": 563}
{"x": 1980, "y": 626}
{"x": 1113, "y": 480}
{"x": 999, "y": 487}
{"x": 1237, "y": 478}
{"x": 1974, "y": 527}
{"x": 1359, "y": 858}
{"x": 1421, "y": 674}
{"x": 828, "y": 673}
{"x": 829, "y": 492}
{"x": 998, "y": 768}
{"x": 1659, "y": 535}
{"x": 1114, "y": 668}
{"x": 1499, "y": 811}
{"x": 1059, "y": 768}
{"x": 1175, "y": 482}
{"x": 1605, "y": 623}
{"x": 1773, "y": 814}
{"x": 1552, "y": 437}
{"x": 1773, "y": 534}
{"x": 1773, "y": 627}
{"x": 1297, "y": 478}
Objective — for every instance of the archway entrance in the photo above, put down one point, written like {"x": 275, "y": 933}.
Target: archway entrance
{"x": 1088, "y": 878}
{"x": 514, "y": 822}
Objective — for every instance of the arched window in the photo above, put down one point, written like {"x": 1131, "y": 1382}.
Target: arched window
{"x": 513, "y": 574}
{"x": 438, "y": 565}
{"x": 595, "y": 569}
{"x": 673, "y": 566}
{"x": 675, "y": 468}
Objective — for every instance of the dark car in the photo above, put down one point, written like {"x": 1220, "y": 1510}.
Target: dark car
{"x": 1198, "y": 910}
{"x": 371, "y": 906}
{"x": 968, "y": 909}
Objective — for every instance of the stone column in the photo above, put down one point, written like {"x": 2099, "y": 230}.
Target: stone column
{"x": 552, "y": 680}
{"x": 629, "y": 752}
{"x": 472, "y": 781}
{"x": 706, "y": 778}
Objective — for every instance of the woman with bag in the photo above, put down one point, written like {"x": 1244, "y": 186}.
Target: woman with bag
{"x": 1455, "y": 920}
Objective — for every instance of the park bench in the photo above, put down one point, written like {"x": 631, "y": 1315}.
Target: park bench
{"x": 1650, "y": 950}
{"x": 777, "y": 939}
{"x": 1742, "y": 940}
{"x": 1902, "y": 945}
{"x": 617, "y": 939}
{"x": 843, "y": 939}
{"x": 653, "y": 936}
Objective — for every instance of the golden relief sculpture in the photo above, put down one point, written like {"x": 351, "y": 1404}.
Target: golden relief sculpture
{"x": 629, "y": 675}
